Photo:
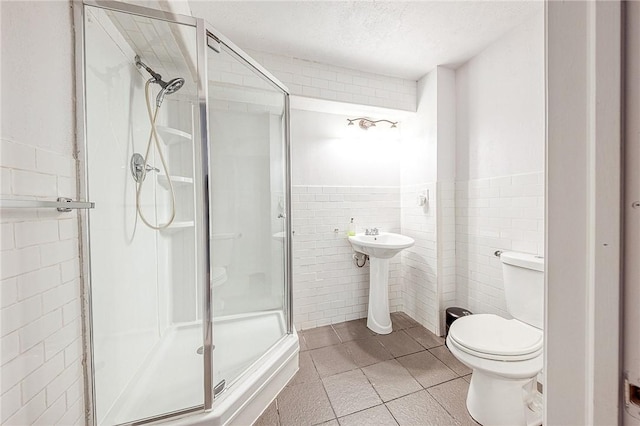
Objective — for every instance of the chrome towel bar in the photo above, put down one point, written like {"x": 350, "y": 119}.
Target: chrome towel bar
{"x": 62, "y": 204}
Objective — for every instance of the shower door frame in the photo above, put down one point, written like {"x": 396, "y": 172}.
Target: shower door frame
{"x": 204, "y": 32}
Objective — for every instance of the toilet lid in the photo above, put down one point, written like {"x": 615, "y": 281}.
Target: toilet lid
{"x": 218, "y": 275}
{"x": 491, "y": 334}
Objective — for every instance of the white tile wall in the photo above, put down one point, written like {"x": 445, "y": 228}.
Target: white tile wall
{"x": 317, "y": 80}
{"x": 446, "y": 248}
{"x": 420, "y": 262}
{"x": 328, "y": 287}
{"x": 41, "y": 377}
{"x": 500, "y": 213}
{"x": 41, "y": 334}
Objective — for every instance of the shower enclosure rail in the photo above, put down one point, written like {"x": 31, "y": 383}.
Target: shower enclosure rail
{"x": 62, "y": 204}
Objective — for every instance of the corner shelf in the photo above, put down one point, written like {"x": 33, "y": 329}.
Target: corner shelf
{"x": 171, "y": 136}
{"x": 176, "y": 181}
{"x": 178, "y": 226}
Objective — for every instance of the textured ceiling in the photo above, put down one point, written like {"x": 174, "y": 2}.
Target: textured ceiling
{"x": 396, "y": 38}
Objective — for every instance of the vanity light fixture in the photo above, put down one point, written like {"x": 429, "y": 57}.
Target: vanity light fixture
{"x": 365, "y": 123}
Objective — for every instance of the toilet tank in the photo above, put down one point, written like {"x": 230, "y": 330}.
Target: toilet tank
{"x": 222, "y": 248}
{"x": 524, "y": 286}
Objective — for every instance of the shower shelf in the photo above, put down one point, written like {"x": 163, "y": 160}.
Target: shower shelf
{"x": 171, "y": 136}
{"x": 175, "y": 180}
{"x": 178, "y": 226}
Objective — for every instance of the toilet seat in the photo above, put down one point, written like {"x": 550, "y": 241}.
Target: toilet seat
{"x": 492, "y": 337}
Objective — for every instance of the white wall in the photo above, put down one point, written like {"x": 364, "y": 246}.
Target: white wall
{"x": 499, "y": 162}
{"x": 41, "y": 326}
{"x": 329, "y": 82}
{"x": 631, "y": 339}
{"x": 583, "y": 213}
{"x": 339, "y": 172}
{"x": 500, "y": 106}
{"x": 325, "y": 151}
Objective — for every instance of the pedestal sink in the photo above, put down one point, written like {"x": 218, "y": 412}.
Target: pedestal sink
{"x": 380, "y": 248}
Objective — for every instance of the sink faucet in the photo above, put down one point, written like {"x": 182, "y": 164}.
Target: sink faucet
{"x": 372, "y": 231}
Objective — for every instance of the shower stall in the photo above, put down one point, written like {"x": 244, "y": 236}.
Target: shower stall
{"x": 184, "y": 148}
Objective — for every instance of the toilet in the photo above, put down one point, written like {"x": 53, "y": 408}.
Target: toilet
{"x": 506, "y": 354}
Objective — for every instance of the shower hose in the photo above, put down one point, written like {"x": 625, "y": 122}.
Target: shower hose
{"x": 153, "y": 138}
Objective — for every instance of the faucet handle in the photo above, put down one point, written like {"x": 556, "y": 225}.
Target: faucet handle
{"x": 374, "y": 231}
{"x": 367, "y": 231}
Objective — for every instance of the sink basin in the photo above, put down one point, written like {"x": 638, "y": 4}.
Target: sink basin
{"x": 383, "y": 246}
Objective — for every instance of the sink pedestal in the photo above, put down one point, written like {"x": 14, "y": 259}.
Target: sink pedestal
{"x": 378, "y": 318}
{"x": 380, "y": 248}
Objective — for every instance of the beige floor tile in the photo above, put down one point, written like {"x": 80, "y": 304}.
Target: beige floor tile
{"x": 367, "y": 351}
{"x": 376, "y": 416}
{"x": 425, "y": 337}
{"x": 391, "y": 380}
{"x": 467, "y": 378}
{"x": 304, "y": 404}
{"x": 400, "y": 321}
{"x": 269, "y": 417}
{"x": 399, "y": 343}
{"x": 443, "y": 354}
{"x": 419, "y": 409}
{"x": 333, "y": 422}
{"x": 453, "y": 397}
{"x": 352, "y": 330}
{"x": 306, "y": 372}
{"x": 302, "y": 343}
{"x": 350, "y": 392}
{"x": 320, "y": 337}
{"x": 332, "y": 360}
{"x": 427, "y": 369}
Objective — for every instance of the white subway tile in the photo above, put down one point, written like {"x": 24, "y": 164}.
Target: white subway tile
{"x": 38, "y": 330}
{"x": 61, "y": 339}
{"x": 21, "y": 366}
{"x": 63, "y": 381}
{"x": 19, "y": 314}
{"x": 41, "y": 377}
{"x": 15, "y": 262}
{"x": 9, "y": 347}
{"x": 8, "y": 292}
{"x": 17, "y": 156}
{"x": 37, "y": 282}
{"x": 34, "y": 184}
{"x": 53, "y": 413}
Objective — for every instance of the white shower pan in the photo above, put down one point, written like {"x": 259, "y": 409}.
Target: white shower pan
{"x": 239, "y": 340}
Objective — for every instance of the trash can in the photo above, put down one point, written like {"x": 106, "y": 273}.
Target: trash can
{"x": 453, "y": 314}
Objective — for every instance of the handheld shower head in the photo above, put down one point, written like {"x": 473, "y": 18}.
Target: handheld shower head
{"x": 168, "y": 88}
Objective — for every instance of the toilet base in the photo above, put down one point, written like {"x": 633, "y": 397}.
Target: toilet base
{"x": 497, "y": 401}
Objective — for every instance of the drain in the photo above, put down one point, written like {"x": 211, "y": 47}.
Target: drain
{"x": 200, "y": 350}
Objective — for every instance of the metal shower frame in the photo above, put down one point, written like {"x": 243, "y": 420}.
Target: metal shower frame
{"x": 206, "y": 37}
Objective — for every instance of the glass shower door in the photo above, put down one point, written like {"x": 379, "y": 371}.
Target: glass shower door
{"x": 248, "y": 211}
{"x": 146, "y": 303}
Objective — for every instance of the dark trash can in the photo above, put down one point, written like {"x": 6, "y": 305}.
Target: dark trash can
{"x": 453, "y": 314}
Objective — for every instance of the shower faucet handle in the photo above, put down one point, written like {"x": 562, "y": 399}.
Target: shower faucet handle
{"x": 149, "y": 168}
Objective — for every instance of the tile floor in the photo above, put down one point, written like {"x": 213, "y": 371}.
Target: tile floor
{"x": 352, "y": 376}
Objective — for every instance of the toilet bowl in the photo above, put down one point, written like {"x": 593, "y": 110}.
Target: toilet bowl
{"x": 506, "y": 355}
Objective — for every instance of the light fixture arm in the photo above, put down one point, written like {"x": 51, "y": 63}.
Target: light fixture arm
{"x": 364, "y": 123}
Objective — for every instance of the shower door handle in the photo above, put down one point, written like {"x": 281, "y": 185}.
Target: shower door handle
{"x": 282, "y": 216}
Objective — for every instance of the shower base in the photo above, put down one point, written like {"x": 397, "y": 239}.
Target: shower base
{"x": 173, "y": 377}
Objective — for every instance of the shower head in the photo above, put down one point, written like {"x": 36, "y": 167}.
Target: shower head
{"x": 168, "y": 88}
